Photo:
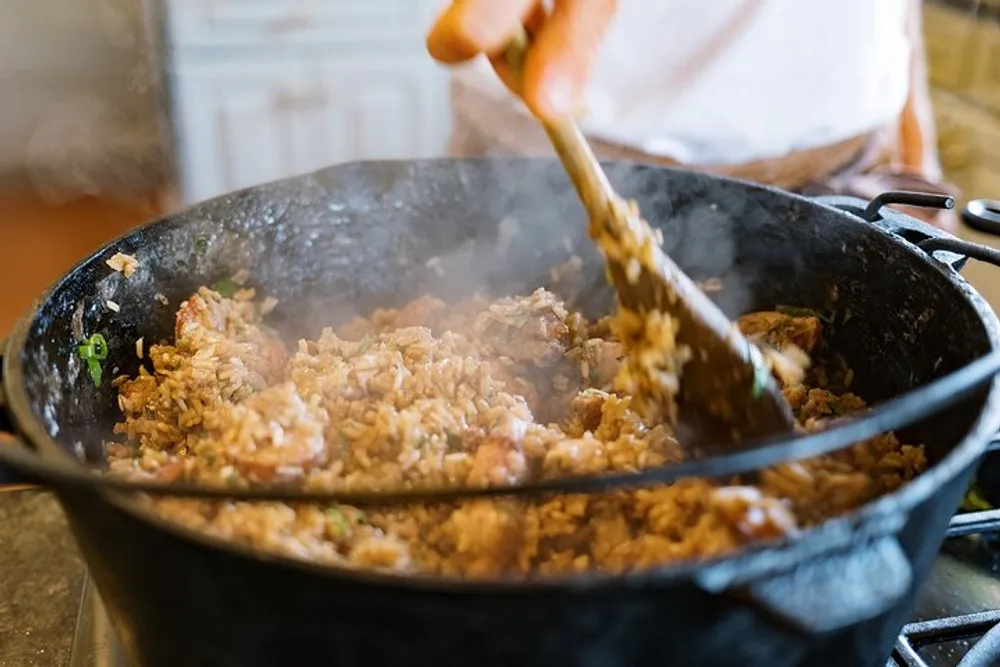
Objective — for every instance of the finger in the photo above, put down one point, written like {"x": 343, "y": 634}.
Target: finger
{"x": 513, "y": 80}
{"x": 470, "y": 27}
{"x": 509, "y": 71}
{"x": 536, "y": 18}
{"x": 532, "y": 24}
{"x": 563, "y": 54}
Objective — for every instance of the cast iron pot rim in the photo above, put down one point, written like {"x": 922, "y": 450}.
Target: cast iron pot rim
{"x": 889, "y": 506}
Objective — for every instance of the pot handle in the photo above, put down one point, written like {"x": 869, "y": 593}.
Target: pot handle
{"x": 965, "y": 248}
{"x": 983, "y": 215}
{"x": 980, "y": 214}
{"x": 837, "y": 591}
{"x": 10, "y": 480}
{"x": 830, "y": 591}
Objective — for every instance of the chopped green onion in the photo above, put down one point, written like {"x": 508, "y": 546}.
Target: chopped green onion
{"x": 93, "y": 351}
{"x": 200, "y": 244}
{"x": 338, "y": 521}
{"x": 974, "y": 501}
{"x": 96, "y": 372}
{"x": 226, "y": 287}
{"x": 95, "y": 347}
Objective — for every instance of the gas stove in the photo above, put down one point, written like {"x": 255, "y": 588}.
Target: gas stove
{"x": 952, "y": 623}
{"x": 960, "y": 603}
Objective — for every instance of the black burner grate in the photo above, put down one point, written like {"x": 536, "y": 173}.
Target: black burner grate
{"x": 915, "y": 636}
{"x": 952, "y": 628}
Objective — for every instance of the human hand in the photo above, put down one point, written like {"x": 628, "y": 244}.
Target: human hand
{"x": 564, "y": 45}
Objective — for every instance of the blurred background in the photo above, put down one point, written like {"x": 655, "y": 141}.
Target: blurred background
{"x": 116, "y": 111}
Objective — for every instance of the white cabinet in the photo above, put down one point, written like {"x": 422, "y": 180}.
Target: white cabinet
{"x": 352, "y": 82}
{"x": 214, "y": 23}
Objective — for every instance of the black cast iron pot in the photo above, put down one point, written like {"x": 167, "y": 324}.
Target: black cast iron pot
{"x": 359, "y": 236}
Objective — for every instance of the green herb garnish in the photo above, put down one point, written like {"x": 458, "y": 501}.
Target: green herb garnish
{"x": 974, "y": 501}
{"x": 454, "y": 440}
{"x": 93, "y": 351}
{"x": 338, "y": 521}
{"x": 200, "y": 244}
{"x": 227, "y": 287}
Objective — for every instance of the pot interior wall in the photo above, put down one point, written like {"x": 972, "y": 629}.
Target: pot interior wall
{"x": 355, "y": 237}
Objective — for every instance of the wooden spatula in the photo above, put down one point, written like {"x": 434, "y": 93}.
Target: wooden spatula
{"x": 725, "y": 393}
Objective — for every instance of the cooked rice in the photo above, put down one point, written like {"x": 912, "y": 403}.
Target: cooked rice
{"x": 479, "y": 393}
{"x": 124, "y": 264}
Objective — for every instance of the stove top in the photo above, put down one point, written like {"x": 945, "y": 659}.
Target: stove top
{"x": 953, "y": 620}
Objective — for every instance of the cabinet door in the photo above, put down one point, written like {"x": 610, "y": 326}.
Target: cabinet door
{"x": 386, "y": 108}
{"x": 246, "y": 122}
{"x": 322, "y": 23}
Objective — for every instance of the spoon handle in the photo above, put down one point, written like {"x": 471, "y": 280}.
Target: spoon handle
{"x": 578, "y": 159}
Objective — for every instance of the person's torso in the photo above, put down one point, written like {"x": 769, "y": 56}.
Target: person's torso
{"x": 731, "y": 81}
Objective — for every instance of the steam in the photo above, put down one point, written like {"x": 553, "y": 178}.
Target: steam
{"x": 106, "y": 139}
{"x": 702, "y": 238}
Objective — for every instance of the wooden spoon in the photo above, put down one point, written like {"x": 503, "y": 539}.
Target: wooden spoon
{"x": 725, "y": 392}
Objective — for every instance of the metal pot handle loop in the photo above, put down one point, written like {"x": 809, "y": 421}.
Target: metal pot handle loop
{"x": 917, "y": 199}
{"x": 959, "y": 247}
{"x": 9, "y": 479}
{"x": 983, "y": 215}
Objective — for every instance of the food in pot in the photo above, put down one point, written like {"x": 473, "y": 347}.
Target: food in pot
{"x": 477, "y": 393}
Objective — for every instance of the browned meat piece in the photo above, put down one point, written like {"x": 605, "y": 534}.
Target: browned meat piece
{"x": 488, "y": 536}
{"x": 600, "y": 361}
{"x": 515, "y": 384}
{"x": 588, "y": 406}
{"x": 271, "y": 354}
{"x": 170, "y": 472}
{"x": 499, "y": 461}
{"x": 754, "y": 515}
{"x": 778, "y": 329}
{"x": 530, "y": 330}
{"x": 203, "y": 310}
{"x": 423, "y": 312}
